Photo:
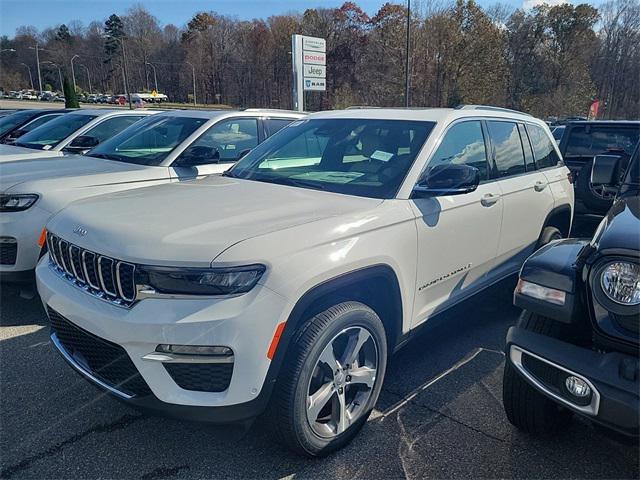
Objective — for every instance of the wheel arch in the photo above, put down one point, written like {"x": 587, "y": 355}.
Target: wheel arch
{"x": 560, "y": 217}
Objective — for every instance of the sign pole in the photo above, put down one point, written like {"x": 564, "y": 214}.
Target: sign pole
{"x": 296, "y": 61}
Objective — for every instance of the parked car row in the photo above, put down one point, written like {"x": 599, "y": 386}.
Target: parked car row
{"x": 221, "y": 265}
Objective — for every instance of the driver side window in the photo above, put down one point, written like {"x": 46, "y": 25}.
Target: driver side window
{"x": 225, "y": 141}
{"x": 463, "y": 144}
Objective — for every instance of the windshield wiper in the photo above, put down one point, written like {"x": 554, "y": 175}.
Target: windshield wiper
{"x": 105, "y": 156}
{"x": 295, "y": 182}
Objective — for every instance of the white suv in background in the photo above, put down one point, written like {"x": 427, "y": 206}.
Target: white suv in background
{"x": 168, "y": 147}
{"x": 74, "y": 132}
{"x": 288, "y": 281}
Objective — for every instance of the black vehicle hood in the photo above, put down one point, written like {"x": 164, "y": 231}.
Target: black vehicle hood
{"x": 620, "y": 228}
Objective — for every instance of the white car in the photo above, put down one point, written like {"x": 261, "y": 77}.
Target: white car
{"x": 72, "y": 133}
{"x": 289, "y": 280}
{"x": 172, "y": 146}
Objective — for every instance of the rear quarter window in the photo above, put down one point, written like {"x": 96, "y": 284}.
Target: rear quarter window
{"x": 543, "y": 150}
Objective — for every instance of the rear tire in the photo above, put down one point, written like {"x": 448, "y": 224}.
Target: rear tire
{"x": 548, "y": 235}
{"x": 527, "y": 408}
{"x": 341, "y": 351}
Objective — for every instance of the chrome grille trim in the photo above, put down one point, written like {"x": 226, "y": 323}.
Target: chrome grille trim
{"x": 108, "y": 289}
{"x": 101, "y": 275}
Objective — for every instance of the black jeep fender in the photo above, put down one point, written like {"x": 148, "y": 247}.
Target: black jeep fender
{"x": 558, "y": 266}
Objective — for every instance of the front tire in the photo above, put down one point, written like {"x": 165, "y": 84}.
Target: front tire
{"x": 330, "y": 380}
{"x": 527, "y": 408}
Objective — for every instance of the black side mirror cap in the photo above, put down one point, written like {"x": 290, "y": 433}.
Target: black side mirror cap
{"x": 605, "y": 170}
{"x": 450, "y": 179}
{"x": 83, "y": 142}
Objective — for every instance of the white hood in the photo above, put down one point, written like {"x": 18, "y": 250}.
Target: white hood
{"x": 11, "y": 153}
{"x": 32, "y": 176}
{"x": 191, "y": 223}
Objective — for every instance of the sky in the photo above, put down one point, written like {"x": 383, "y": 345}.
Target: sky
{"x": 47, "y": 13}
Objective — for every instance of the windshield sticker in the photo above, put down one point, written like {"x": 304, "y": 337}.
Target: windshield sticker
{"x": 46, "y": 147}
{"x": 382, "y": 156}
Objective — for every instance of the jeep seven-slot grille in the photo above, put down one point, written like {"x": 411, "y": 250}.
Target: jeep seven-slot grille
{"x": 102, "y": 276}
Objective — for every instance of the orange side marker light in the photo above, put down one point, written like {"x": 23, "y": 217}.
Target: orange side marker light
{"x": 43, "y": 238}
{"x": 276, "y": 339}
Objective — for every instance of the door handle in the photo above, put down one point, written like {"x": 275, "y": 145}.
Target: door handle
{"x": 540, "y": 185}
{"x": 489, "y": 199}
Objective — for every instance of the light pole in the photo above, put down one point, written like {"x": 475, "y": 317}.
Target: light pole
{"x": 30, "y": 77}
{"x": 406, "y": 63}
{"x": 88, "y": 76}
{"x": 73, "y": 73}
{"x": 193, "y": 72}
{"x": 38, "y": 65}
{"x": 155, "y": 76}
{"x": 59, "y": 73}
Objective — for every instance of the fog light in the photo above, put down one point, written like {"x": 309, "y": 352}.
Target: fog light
{"x": 577, "y": 387}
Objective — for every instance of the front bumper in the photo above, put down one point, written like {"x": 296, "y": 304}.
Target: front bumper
{"x": 245, "y": 324}
{"x": 613, "y": 378}
{"x": 24, "y": 228}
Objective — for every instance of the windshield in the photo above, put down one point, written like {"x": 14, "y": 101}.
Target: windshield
{"x": 591, "y": 140}
{"x": 13, "y": 120}
{"x": 49, "y": 135}
{"x": 149, "y": 141}
{"x": 363, "y": 157}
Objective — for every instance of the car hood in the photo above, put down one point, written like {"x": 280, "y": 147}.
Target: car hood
{"x": 76, "y": 169}
{"x": 12, "y": 153}
{"x": 620, "y": 227}
{"x": 191, "y": 223}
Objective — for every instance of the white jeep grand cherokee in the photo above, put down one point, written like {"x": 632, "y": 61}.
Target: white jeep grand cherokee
{"x": 287, "y": 282}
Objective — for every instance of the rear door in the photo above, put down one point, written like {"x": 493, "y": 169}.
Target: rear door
{"x": 526, "y": 196}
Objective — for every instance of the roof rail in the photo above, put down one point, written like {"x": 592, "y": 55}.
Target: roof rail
{"x": 273, "y": 110}
{"x": 490, "y": 108}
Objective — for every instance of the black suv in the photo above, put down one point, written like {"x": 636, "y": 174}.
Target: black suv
{"x": 576, "y": 346}
{"x": 582, "y": 141}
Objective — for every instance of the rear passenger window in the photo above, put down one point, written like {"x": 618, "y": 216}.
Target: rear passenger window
{"x": 507, "y": 148}
{"x": 276, "y": 124}
{"x": 543, "y": 149}
{"x": 463, "y": 144}
{"x": 528, "y": 153}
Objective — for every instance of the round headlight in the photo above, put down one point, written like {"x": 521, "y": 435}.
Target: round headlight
{"x": 621, "y": 282}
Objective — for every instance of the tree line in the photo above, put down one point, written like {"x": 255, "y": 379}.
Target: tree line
{"x": 547, "y": 60}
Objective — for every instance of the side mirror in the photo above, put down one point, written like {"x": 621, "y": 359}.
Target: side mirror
{"x": 15, "y": 135}
{"x": 605, "y": 170}
{"x": 198, "y": 155}
{"x": 83, "y": 142}
{"x": 450, "y": 179}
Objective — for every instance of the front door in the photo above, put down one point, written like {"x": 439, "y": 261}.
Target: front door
{"x": 457, "y": 234}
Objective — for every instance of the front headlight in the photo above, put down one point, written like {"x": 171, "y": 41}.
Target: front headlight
{"x": 15, "y": 202}
{"x": 620, "y": 282}
{"x": 201, "y": 281}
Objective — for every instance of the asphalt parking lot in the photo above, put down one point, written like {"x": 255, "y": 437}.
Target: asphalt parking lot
{"x": 439, "y": 416}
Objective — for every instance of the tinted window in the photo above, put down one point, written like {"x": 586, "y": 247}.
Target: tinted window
{"x": 33, "y": 124}
{"x": 463, "y": 144}
{"x": 9, "y": 122}
{"x": 352, "y": 156}
{"x": 528, "y": 152}
{"x": 276, "y": 124}
{"x": 50, "y": 134}
{"x": 149, "y": 141}
{"x": 112, "y": 126}
{"x": 543, "y": 149}
{"x": 590, "y": 140}
{"x": 507, "y": 148}
{"x": 230, "y": 138}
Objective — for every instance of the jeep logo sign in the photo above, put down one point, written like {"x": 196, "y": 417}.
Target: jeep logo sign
{"x": 78, "y": 230}
{"x": 315, "y": 71}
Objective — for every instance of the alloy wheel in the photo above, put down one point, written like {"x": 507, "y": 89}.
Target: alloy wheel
{"x": 342, "y": 382}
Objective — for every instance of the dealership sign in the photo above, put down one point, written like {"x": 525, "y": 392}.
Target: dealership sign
{"x": 309, "y": 58}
